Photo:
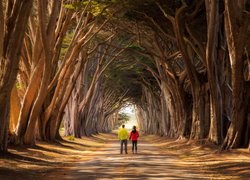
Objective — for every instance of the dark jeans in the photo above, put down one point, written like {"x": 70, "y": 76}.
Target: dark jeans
{"x": 125, "y": 142}
{"x": 134, "y": 146}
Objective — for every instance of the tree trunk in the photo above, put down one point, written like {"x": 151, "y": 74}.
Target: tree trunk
{"x": 47, "y": 37}
{"x": 237, "y": 26}
{"x": 199, "y": 129}
{"x": 14, "y": 110}
{"x": 28, "y": 101}
{"x": 4, "y": 120}
{"x": 67, "y": 94}
{"x": 215, "y": 134}
{"x": 9, "y": 60}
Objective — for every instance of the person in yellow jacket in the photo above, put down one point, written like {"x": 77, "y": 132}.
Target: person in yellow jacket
{"x": 123, "y": 137}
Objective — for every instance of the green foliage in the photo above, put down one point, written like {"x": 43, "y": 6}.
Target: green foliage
{"x": 69, "y": 6}
{"x": 94, "y": 6}
{"x": 19, "y": 85}
{"x": 71, "y": 138}
{"x": 136, "y": 47}
{"x": 129, "y": 74}
{"x": 122, "y": 119}
{"x": 66, "y": 42}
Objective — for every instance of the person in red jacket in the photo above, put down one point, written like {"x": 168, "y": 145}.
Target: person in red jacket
{"x": 134, "y": 134}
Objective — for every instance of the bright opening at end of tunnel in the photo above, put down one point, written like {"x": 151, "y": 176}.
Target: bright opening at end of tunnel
{"x": 131, "y": 113}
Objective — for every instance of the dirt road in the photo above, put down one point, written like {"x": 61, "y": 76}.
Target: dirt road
{"x": 151, "y": 162}
{"x": 98, "y": 158}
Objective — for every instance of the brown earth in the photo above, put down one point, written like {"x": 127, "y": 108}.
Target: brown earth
{"x": 98, "y": 158}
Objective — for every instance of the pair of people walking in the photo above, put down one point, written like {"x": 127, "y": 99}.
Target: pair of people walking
{"x": 123, "y": 137}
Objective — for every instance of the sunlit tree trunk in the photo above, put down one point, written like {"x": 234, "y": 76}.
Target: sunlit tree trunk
{"x": 55, "y": 125}
{"x": 41, "y": 61}
{"x": 29, "y": 137}
{"x": 11, "y": 39}
{"x": 34, "y": 63}
{"x": 14, "y": 109}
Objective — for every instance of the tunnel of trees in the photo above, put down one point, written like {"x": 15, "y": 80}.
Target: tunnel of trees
{"x": 184, "y": 64}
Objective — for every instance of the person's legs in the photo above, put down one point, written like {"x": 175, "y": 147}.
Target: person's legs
{"x": 135, "y": 146}
{"x": 126, "y": 146}
{"x": 121, "y": 148}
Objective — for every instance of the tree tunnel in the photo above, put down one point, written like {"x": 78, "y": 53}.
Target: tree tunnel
{"x": 95, "y": 103}
{"x": 184, "y": 64}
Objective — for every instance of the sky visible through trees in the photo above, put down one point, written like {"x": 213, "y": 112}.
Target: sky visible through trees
{"x": 130, "y": 110}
